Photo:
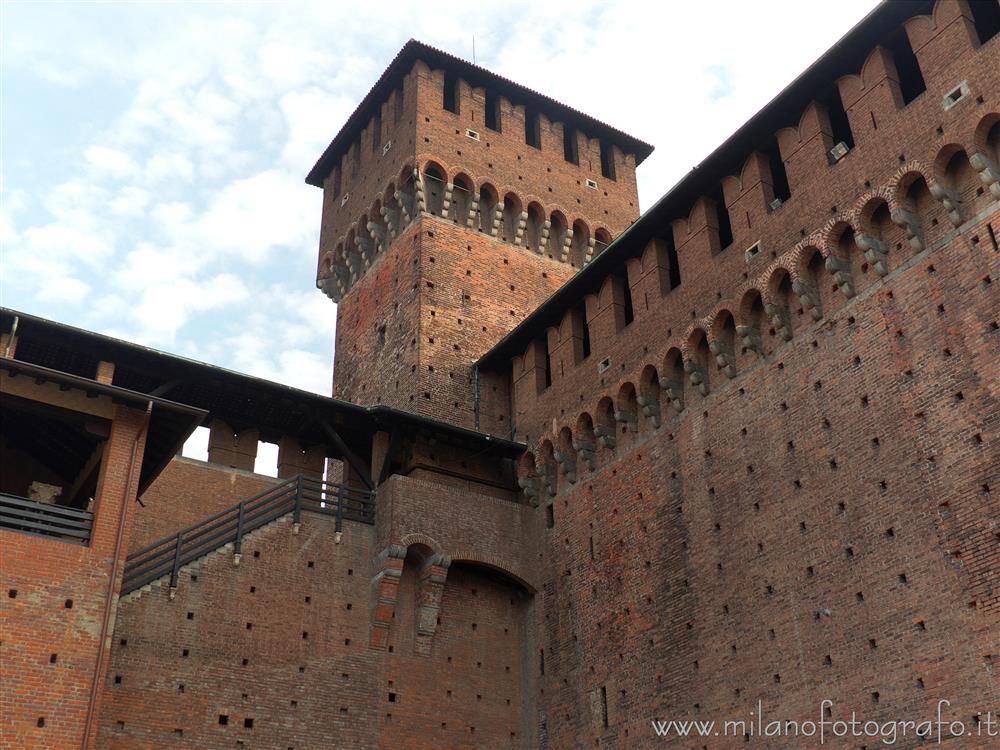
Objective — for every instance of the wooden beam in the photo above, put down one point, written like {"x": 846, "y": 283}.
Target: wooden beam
{"x": 390, "y": 452}
{"x": 352, "y": 459}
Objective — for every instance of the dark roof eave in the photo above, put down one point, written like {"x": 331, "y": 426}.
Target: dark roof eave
{"x": 371, "y": 416}
{"x": 401, "y": 65}
{"x": 118, "y": 395}
{"x": 842, "y": 58}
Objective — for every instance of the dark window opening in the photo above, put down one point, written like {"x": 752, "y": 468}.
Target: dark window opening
{"x": 722, "y": 217}
{"x": 911, "y": 80}
{"x": 673, "y": 264}
{"x": 627, "y": 308}
{"x": 570, "y": 146}
{"x": 335, "y": 183}
{"x": 607, "y": 160}
{"x": 492, "y": 111}
{"x": 986, "y": 18}
{"x": 840, "y": 125}
{"x": 398, "y": 108}
{"x": 451, "y": 92}
{"x": 581, "y": 313}
{"x": 532, "y": 129}
{"x": 550, "y": 522}
{"x": 377, "y": 132}
{"x": 779, "y": 178}
{"x": 604, "y": 706}
{"x": 548, "y": 364}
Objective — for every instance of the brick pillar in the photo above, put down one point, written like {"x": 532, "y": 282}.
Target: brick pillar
{"x": 105, "y": 372}
{"x": 238, "y": 451}
{"x": 8, "y": 345}
{"x": 388, "y": 567}
{"x": 430, "y": 587}
{"x": 292, "y": 459}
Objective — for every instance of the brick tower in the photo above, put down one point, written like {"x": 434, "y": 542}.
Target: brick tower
{"x": 454, "y": 203}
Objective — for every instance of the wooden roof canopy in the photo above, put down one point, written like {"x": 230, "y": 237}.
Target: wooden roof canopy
{"x": 241, "y": 401}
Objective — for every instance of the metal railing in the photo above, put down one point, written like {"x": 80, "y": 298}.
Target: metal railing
{"x": 45, "y": 519}
{"x": 295, "y": 495}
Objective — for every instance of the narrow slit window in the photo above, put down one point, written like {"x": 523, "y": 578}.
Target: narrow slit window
{"x": 673, "y": 264}
{"x": 398, "y": 106}
{"x": 451, "y": 92}
{"x": 377, "y": 132}
{"x": 840, "y": 125}
{"x": 722, "y": 216}
{"x": 607, "y": 160}
{"x": 532, "y": 129}
{"x": 548, "y": 365}
{"x": 986, "y": 18}
{"x": 335, "y": 182}
{"x": 628, "y": 310}
{"x": 570, "y": 152}
{"x": 911, "y": 80}
{"x": 779, "y": 177}
{"x": 604, "y": 706}
{"x": 492, "y": 111}
{"x": 581, "y": 313}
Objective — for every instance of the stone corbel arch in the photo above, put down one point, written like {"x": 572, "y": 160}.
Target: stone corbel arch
{"x": 837, "y": 265}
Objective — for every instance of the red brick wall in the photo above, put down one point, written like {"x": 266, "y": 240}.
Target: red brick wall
{"x": 917, "y": 139}
{"x": 370, "y": 367}
{"x": 187, "y": 491}
{"x": 443, "y": 292}
{"x": 719, "y": 537}
{"x": 504, "y": 160}
{"x": 375, "y": 169}
{"x": 54, "y": 607}
{"x": 822, "y": 523}
{"x": 444, "y": 295}
{"x": 330, "y": 688}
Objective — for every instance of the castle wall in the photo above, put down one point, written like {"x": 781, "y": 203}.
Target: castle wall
{"x": 819, "y": 528}
{"x": 283, "y": 640}
{"x": 368, "y": 168}
{"x": 793, "y": 480}
{"x": 188, "y": 491}
{"x": 475, "y": 290}
{"x": 57, "y": 607}
{"x": 503, "y": 159}
{"x": 914, "y": 164}
{"x": 436, "y": 300}
{"x": 379, "y": 327}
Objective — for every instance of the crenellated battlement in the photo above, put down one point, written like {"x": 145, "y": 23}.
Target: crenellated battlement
{"x": 734, "y": 307}
{"x": 545, "y": 227}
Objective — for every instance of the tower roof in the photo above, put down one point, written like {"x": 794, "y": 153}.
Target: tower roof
{"x": 476, "y": 76}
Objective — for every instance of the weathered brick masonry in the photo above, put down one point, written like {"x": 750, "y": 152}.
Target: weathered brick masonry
{"x": 745, "y": 447}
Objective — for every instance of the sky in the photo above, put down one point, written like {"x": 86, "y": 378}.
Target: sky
{"x": 152, "y": 154}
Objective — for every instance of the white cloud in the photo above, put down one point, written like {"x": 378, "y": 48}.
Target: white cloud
{"x": 116, "y": 162}
{"x": 63, "y": 289}
{"x": 252, "y": 216}
{"x": 130, "y": 201}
